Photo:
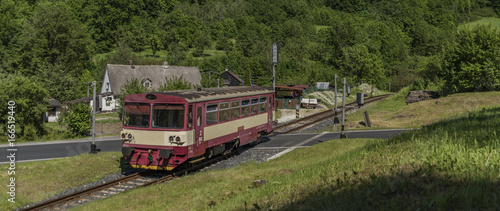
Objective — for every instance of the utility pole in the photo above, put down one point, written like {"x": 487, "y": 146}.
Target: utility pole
{"x": 274, "y": 77}
{"x": 342, "y": 135}
{"x": 275, "y": 62}
{"x": 93, "y": 148}
{"x": 335, "y": 108}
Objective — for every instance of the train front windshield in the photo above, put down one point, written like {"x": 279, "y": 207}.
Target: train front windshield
{"x": 168, "y": 116}
{"x": 136, "y": 114}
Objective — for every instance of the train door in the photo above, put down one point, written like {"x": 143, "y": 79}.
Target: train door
{"x": 198, "y": 131}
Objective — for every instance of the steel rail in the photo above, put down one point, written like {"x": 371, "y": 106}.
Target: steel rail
{"x": 322, "y": 116}
{"x": 175, "y": 174}
{"x": 87, "y": 191}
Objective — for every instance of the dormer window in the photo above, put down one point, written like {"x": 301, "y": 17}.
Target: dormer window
{"x": 146, "y": 82}
{"x": 107, "y": 86}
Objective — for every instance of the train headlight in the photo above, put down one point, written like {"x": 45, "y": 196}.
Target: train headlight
{"x": 129, "y": 136}
{"x": 178, "y": 139}
{"x": 123, "y": 135}
{"x": 171, "y": 138}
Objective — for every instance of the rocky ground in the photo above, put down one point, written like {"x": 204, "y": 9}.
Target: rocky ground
{"x": 248, "y": 154}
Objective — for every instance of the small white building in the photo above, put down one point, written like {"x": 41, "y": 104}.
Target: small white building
{"x": 53, "y": 111}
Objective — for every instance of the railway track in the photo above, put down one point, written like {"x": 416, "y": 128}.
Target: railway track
{"x": 308, "y": 121}
{"x": 136, "y": 180}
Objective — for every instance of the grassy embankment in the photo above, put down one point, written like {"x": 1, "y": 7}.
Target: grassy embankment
{"x": 39, "y": 180}
{"x": 495, "y": 22}
{"x": 452, "y": 164}
{"x": 394, "y": 113}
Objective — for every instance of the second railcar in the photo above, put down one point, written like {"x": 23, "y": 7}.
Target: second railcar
{"x": 163, "y": 130}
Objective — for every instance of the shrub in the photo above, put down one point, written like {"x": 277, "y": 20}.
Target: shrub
{"x": 78, "y": 119}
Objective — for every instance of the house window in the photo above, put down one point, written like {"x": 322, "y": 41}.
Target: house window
{"x": 146, "y": 82}
{"x": 108, "y": 101}
{"x": 52, "y": 112}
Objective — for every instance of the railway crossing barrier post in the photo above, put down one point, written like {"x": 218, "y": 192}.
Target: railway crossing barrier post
{"x": 367, "y": 119}
{"x": 297, "y": 107}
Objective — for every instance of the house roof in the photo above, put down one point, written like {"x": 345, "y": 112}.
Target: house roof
{"x": 234, "y": 75}
{"x": 119, "y": 74}
{"x": 53, "y": 103}
{"x": 85, "y": 99}
{"x": 287, "y": 88}
{"x": 300, "y": 86}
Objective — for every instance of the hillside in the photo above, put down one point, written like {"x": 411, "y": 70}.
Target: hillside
{"x": 494, "y": 22}
{"x": 394, "y": 113}
{"x": 53, "y": 49}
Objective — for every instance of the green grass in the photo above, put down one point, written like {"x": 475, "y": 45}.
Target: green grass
{"x": 449, "y": 165}
{"x": 394, "y": 113}
{"x": 320, "y": 27}
{"x": 495, "y": 22}
{"x": 442, "y": 166}
{"x": 42, "y": 179}
{"x": 107, "y": 118}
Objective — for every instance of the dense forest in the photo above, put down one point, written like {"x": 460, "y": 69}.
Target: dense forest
{"x": 53, "y": 48}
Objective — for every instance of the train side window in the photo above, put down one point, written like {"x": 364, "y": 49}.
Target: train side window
{"x": 224, "y": 111}
{"x": 263, "y": 106}
{"x": 198, "y": 117}
{"x": 245, "y": 108}
{"x": 235, "y": 109}
{"x": 255, "y": 106}
{"x": 212, "y": 114}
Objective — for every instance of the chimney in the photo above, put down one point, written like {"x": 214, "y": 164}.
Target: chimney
{"x": 227, "y": 68}
{"x": 165, "y": 64}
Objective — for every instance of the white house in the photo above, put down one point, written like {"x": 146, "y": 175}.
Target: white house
{"x": 151, "y": 76}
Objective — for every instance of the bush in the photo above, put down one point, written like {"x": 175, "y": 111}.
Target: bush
{"x": 30, "y": 133}
{"x": 78, "y": 119}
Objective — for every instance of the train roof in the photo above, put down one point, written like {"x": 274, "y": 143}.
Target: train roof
{"x": 207, "y": 94}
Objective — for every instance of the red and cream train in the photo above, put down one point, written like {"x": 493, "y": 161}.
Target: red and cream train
{"x": 163, "y": 130}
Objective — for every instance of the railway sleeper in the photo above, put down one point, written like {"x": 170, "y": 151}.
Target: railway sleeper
{"x": 116, "y": 189}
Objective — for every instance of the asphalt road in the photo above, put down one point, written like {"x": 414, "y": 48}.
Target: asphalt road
{"x": 60, "y": 149}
